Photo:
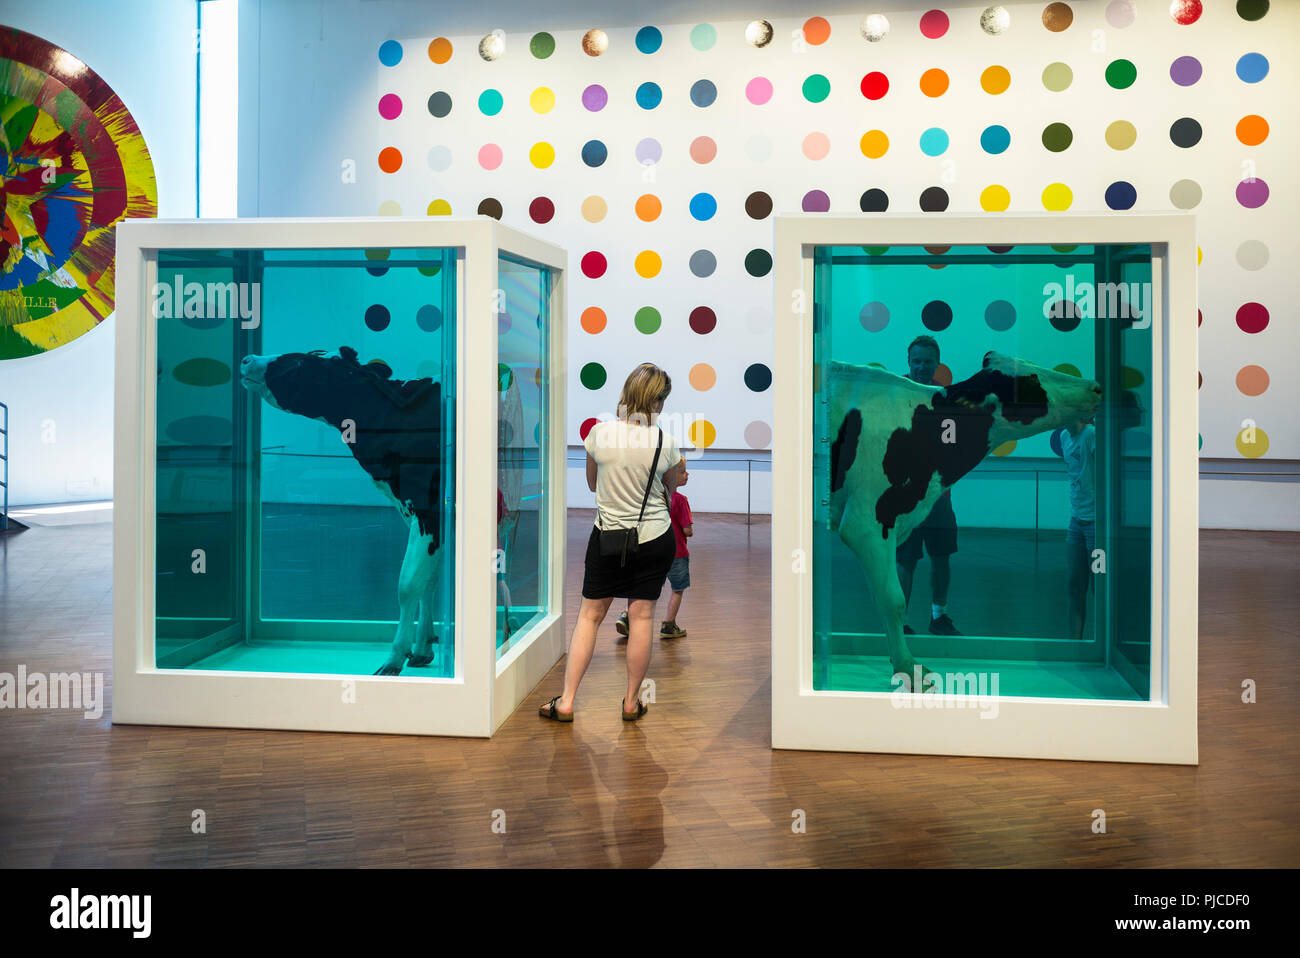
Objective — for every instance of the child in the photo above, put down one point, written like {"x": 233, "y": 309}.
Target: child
{"x": 679, "y": 573}
{"x": 1079, "y": 449}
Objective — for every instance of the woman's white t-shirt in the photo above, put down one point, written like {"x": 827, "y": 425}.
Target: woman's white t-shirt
{"x": 623, "y": 453}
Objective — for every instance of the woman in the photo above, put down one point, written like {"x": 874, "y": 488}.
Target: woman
{"x": 620, "y": 454}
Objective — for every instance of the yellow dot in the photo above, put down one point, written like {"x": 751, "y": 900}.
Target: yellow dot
{"x": 1199, "y": 256}
{"x": 648, "y": 263}
{"x": 1069, "y": 369}
{"x": 995, "y": 198}
{"x": 439, "y": 208}
{"x": 995, "y": 80}
{"x": 702, "y": 434}
{"x": 542, "y": 155}
{"x": 1057, "y": 198}
{"x": 1121, "y": 134}
{"x": 1252, "y": 442}
{"x": 390, "y": 208}
{"x": 594, "y": 209}
{"x": 1006, "y": 448}
{"x": 874, "y": 144}
{"x": 542, "y": 100}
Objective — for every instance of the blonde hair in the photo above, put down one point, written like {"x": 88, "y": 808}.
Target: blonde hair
{"x": 645, "y": 386}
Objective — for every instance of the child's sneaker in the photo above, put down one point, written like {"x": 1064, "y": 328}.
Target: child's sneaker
{"x": 621, "y": 625}
{"x": 669, "y": 630}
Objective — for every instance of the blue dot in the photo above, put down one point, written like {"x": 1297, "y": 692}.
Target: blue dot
{"x": 1055, "y": 442}
{"x": 1000, "y": 315}
{"x": 703, "y": 206}
{"x": 428, "y": 317}
{"x": 377, "y": 317}
{"x": 1121, "y": 195}
{"x": 594, "y": 153}
{"x": 703, "y": 93}
{"x": 490, "y": 102}
{"x": 390, "y": 53}
{"x": 1252, "y": 67}
{"x": 995, "y": 139}
{"x": 648, "y": 95}
{"x": 934, "y": 141}
{"x": 649, "y": 39}
{"x": 758, "y": 377}
{"x": 376, "y": 270}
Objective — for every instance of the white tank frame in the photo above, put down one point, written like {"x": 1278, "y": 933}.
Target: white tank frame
{"x": 483, "y": 690}
{"x": 1160, "y": 730}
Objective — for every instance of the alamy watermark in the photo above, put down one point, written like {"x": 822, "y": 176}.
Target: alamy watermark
{"x": 181, "y": 300}
{"x": 1099, "y": 300}
{"x": 951, "y": 690}
{"x": 678, "y": 425}
{"x": 58, "y": 690}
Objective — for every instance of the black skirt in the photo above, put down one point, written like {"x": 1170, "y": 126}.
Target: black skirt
{"x": 641, "y": 578}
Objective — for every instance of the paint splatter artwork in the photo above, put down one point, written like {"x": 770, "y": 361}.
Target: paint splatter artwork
{"x": 72, "y": 165}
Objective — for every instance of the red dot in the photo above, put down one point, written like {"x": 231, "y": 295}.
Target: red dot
{"x": 1185, "y": 11}
{"x": 1252, "y": 317}
{"x": 594, "y": 265}
{"x": 703, "y": 319}
{"x": 1198, "y": 319}
{"x": 875, "y": 85}
{"x": 1199, "y": 380}
{"x": 942, "y": 375}
{"x": 934, "y": 24}
{"x": 586, "y": 427}
{"x": 541, "y": 210}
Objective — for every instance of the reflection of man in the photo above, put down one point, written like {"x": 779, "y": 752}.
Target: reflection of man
{"x": 938, "y": 532}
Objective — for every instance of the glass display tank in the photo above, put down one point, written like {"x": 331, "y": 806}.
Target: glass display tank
{"x": 305, "y": 409}
{"x": 982, "y": 413}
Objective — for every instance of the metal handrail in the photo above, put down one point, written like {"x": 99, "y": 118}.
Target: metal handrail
{"x": 4, "y": 457}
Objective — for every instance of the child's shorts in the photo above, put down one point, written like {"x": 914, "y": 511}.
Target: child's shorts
{"x": 679, "y": 574}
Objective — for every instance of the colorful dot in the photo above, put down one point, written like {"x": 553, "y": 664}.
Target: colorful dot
{"x": 649, "y": 151}
{"x": 595, "y": 97}
{"x": 816, "y": 31}
{"x": 594, "y": 153}
{"x": 1185, "y": 194}
{"x": 1057, "y": 137}
{"x": 703, "y": 93}
{"x": 390, "y": 208}
{"x": 875, "y": 85}
{"x": 648, "y": 207}
{"x": 1121, "y": 13}
{"x": 702, "y": 377}
{"x": 703, "y": 149}
{"x": 390, "y": 159}
{"x": 489, "y": 156}
{"x": 1185, "y": 71}
{"x": 594, "y": 265}
{"x": 542, "y": 100}
{"x": 936, "y": 315}
{"x": 702, "y": 434}
{"x": 1057, "y": 198}
{"x": 934, "y": 82}
{"x": 1121, "y": 195}
{"x": 995, "y": 21}
{"x": 759, "y": 33}
{"x": 704, "y": 36}
{"x": 934, "y": 24}
{"x": 428, "y": 317}
{"x": 1064, "y": 315}
{"x": 593, "y": 320}
{"x": 648, "y": 95}
{"x": 703, "y": 206}
{"x": 758, "y": 377}
{"x": 874, "y": 201}
{"x": 648, "y": 263}
{"x": 541, "y": 155}
{"x": 490, "y": 206}
{"x": 1252, "y": 130}
{"x": 703, "y": 263}
{"x": 1069, "y": 369}
{"x": 1252, "y": 380}
{"x": 995, "y": 80}
{"x": 390, "y": 53}
{"x": 542, "y": 45}
{"x": 816, "y": 146}
{"x": 1121, "y": 74}
{"x": 758, "y": 90}
{"x": 1000, "y": 315}
{"x": 1057, "y": 17}
{"x": 595, "y": 42}
{"x": 592, "y": 375}
{"x": 874, "y": 317}
{"x": 649, "y": 40}
{"x": 758, "y": 435}
{"x": 440, "y": 104}
{"x": 1252, "y": 193}
{"x": 1057, "y": 77}
{"x": 594, "y": 209}
{"x": 816, "y": 88}
{"x": 1252, "y": 67}
{"x": 874, "y": 144}
{"x": 703, "y": 320}
{"x": 1252, "y": 9}
{"x": 378, "y": 317}
{"x": 1252, "y": 255}
{"x": 995, "y": 139}
{"x": 758, "y": 262}
{"x": 1185, "y": 132}
{"x": 586, "y": 427}
{"x": 647, "y": 320}
{"x": 995, "y": 199}
{"x": 390, "y": 106}
{"x": 1252, "y": 442}
{"x": 1252, "y": 317}
{"x": 874, "y": 27}
{"x": 438, "y": 208}
{"x": 1185, "y": 12}
{"x": 816, "y": 201}
{"x": 934, "y": 199}
{"x": 1005, "y": 449}
{"x": 1121, "y": 135}
{"x": 934, "y": 142}
{"x": 490, "y": 102}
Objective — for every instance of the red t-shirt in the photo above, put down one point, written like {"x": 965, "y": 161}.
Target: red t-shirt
{"x": 680, "y": 513}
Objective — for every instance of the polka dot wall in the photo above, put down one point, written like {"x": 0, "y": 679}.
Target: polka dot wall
{"x": 658, "y": 155}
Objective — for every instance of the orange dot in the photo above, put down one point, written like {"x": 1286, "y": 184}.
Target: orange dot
{"x": 648, "y": 207}
{"x": 934, "y": 82}
{"x": 995, "y": 80}
{"x": 593, "y": 320}
{"x": 440, "y": 50}
{"x": 942, "y": 375}
{"x": 390, "y": 159}
{"x": 702, "y": 377}
{"x": 817, "y": 31}
{"x": 1252, "y": 380}
{"x": 1252, "y": 130}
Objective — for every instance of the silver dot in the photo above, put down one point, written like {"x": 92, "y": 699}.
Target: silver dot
{"x": 758, "y": 33}
{"x": 492, "y": 46}
{"x": 875, "y": 27}
{"x": 995, "y": 21}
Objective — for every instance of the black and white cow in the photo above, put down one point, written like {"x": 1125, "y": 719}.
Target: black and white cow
{"x": 395, "y": 432}
{"x": 898, "y": 445}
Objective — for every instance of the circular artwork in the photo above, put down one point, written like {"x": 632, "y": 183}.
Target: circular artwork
{"x": 72, "y": 165}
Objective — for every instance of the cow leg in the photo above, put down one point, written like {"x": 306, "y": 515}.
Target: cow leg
{"x": 860, "y": 531}
{"x": 417, "y": 566}
{"x": 422, "y": 654}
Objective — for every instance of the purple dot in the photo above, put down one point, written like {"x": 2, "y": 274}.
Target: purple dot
{"x": 649, "y": 151}
{"x": 390, "y": 106}
{"x": 1252, "y": 194}
{"x": 504, "y": 322}
{"x": 816, "y": 201}
{"x": 595, "y": 97}
{"x": 1185, "y": 71}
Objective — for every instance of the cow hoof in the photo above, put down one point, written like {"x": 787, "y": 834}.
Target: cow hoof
{"x": 389, "y": 669}
{"x": 416, "y": 661}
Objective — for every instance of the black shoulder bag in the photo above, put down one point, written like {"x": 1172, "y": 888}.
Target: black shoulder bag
{"x": 619, "y": 542}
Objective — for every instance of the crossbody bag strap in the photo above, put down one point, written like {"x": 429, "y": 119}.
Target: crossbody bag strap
{"x": 654, "y": 463}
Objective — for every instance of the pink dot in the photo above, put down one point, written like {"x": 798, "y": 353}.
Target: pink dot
{"x": 489, "y": 157}
{"x": 816, "y": 201}
{"x": 1252, "y": 317}
{"x": 586, "y": 427}
{"x": 816, "y": 146}
{"x": 390, "y": 106}
{"x": 759, "y": 90}
{"x": 934, "y": 24}
{"x": 594, "y": 265}
{"x": 1252, "y": 193}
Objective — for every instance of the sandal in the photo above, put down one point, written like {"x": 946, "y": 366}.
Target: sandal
{"x": 550, "y": 711}
{"x": 641, "y": 709}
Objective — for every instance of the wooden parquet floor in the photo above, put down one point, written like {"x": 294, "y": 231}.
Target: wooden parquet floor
{"x": 694, "y": 784}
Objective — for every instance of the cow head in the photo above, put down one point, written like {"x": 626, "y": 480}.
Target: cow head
{"x": 317, "y": 385}
{"x": 1025, "y": 399}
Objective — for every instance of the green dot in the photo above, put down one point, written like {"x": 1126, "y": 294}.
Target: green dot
{"x": 1252, "y": 9}
{"x": 758, "y": 262}
{"x": 542, "y": 45}
{"x": 1200, "y": 441}
{"x": 648, "y": 319}
{"x": 1064, "y": 249}
{"x": 875, "y": 250}
{"x": 816, "y": 88}
{"x": 1121, "y": 74}
{"x": 704, "y": 36}
{"x": 1057, "y": 137}
{"x": 592, "y": 375}
{"x": 429, "y": 270}
{"x": 505, "y": 377}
